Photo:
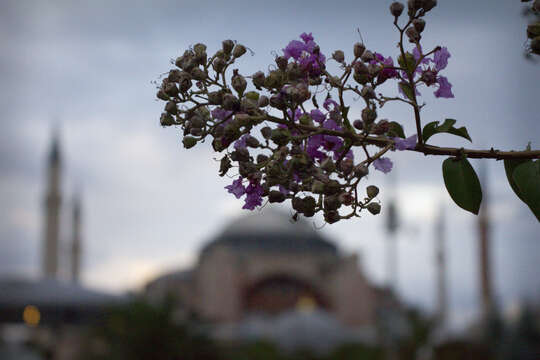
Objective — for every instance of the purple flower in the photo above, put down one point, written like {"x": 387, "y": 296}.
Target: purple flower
{"x": 404, "y": 144}
{"x": 445, "y": 88}
{"x": 294, "y": 49}
{"x": 440, "y": 58}
{"x": 254, "y": 193}
{"x": 383, "y": 164}
{"x": 236, "y": 188}
{"x": 329, "y": 101}
{"x": 306, "y": 37}
{"x": 417, "y": 53}
{"x": 331, "y": 125}
{"x": 283, "y": 190}
{"x": 297, "y": 113}
{"x": 241, "y": 143}
{"x": 317, "y": 115}
{"x": 220, "y": 114}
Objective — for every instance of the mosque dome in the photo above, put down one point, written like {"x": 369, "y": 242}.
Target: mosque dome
{"x": 271, "y": 230}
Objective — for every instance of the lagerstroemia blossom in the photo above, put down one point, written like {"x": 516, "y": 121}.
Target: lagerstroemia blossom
{"x": 287, "y": 134}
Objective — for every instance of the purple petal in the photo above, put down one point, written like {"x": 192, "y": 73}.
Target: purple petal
{"x": 445, "y": 88}
{"x": 404, "y": 144}
{"x": 254, "y": 193}
{"x": 441, "y": 58}
{"x": 317, "y": 115}
{"x": 383, "y": 164}
{"x": 329, "y": 101}
{"x": 236, "y": 188}
{"x": 306, "y": 37}
{"x": 294, "y": 49}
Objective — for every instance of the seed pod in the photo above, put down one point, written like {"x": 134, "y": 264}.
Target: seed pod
{"x": 266, "y": 132}
{"x": 533, "y": 30}
{"x": 252, "y": 142}
{"x": 346, "y": 166}
{"x": 261, "y": 158}
{"x": 332, "y": 187}
{"x": 396, "y": 8}
{"x": 358, "y": 49}
{"x": 358, "y": 124}
{"x": 346, "y": 198}
{"x": 224, "y": 165}
{"x": 309, "y": 204}
{"x": 246, "y": 168}
{"x": 382, "y": 127}
{"x": 198, "y": 74}
{"x": 239, "y": 50}
{"x": 331, "y": 202}
{"x": 227, "y": 46}
{"x": 277, "y": 102}
{"x": 429, "y": 4}
{"x": 362, "y": 79}
{"x": 372, "y": 191}
{"x": 374, "y": 208}
{"x": 367, "y": 92}
{"x": 535, "y": 45}
{"x": 280, "y": 136}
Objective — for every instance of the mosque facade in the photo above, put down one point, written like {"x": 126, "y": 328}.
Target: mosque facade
{"x": 263, "y": 264}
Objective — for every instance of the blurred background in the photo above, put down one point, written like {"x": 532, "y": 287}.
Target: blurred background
{"x": 117, "y": 241}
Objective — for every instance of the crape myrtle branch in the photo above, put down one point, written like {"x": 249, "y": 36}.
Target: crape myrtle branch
{"x": 283, "y": 145}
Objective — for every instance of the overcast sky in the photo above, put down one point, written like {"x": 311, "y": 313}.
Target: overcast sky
{"x": 87, "y": 68}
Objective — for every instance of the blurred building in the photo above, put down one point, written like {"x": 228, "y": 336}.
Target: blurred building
{"x": 263, "y": 266}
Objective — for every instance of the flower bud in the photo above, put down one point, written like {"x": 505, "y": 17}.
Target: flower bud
{"x": 171, "y": 89}
{"x": 339, "y": 56}
{"x": 277, "y": 102}
{"x": 219, "y": 64}
{"x": 382, "y": 127}
{"x": 360, "y": 171}
{"x": 275, "y": 196}
{"x": 358, "y": 124}
{"x": 362, "y": 79}
{"x": 252, "y": 142}
{"x": 274, "y": 80}
{"x": 367, "y": 92}
{"x": 533, "y": 30}
{"x": 185, "y": 82}
{"x": 261, "y": 158}
{"x": 368, "y": 115}
{"x": 331, "y": 202}
{"x": 374, "y": 69}
{"x": 332, "y": 187}
{"x": 161, "y": 95}
{"x": 189, "y": 142}
{"x": 258, "y": 79}
{"x": 367, "y": 56}
{"x": 266, "y": 132}
{"x": 317, "y": 187}
{"x": 171, "y": 108}
{"x": 230, "y": 102}
{"x": 263, "y": 101}
{"x": 238, "y": 82}
{"x": 346, "y": 198}
{"x": 346, "y": 166}
{"x": 360, "y": 68}
{"x": 328, "y": 165}
{"x": 281, "y": 62}
{"x": 227, "y": 46}
{"x": 308, "y": 205}
{"x": 419, "y": 25}
{"x": 331, "y": 216}
{"x": 429, "y": 77}
{"x": 429, "y": 4}
{"x": 166, "y": 119}
{"x": 280, "y": 136}
{"x": 215, "y": 97}
{"x": 536, "y": 6}
{"x": 246, "y": 168}
{"x": 374, "y": 208}
{"x": 535, "y": 45}
{"x": 198, "y": 74}
{"x": 196, "y": 131}
{"x": 174, "y": 75}
{"x": 239, "y": 50}
{"x": 396, "y": 8}
{"x": 358, "y": 49}
{"x": 372, "y": 191}
{"x": 413, "y": 35}
{"x": 224, "y": 165}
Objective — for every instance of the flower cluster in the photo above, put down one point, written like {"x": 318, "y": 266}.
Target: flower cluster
{"x": 277, "y": 142}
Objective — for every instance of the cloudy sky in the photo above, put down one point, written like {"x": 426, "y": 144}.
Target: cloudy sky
{"x": 86, "y": 68}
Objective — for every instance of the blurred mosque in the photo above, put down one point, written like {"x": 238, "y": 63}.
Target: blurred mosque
{"x": 264, "y": 276}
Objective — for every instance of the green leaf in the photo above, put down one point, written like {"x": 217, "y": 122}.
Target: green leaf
{"x": 407, "y": 90}
{"x": 462, "y": 184}
{"x": 409, "y": 64}
{"x": 447, "y": 127}
{"x": 509, "y": 167}
{"x": 396, "y": 130}
{"x": 527, "y": 178}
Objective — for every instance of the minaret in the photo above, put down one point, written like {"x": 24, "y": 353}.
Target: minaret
{"x": 76, "y": 240}
{"x": 53, "y": 200}
{"x": 440, "y": 263}
{"x": 484, "y": 249}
